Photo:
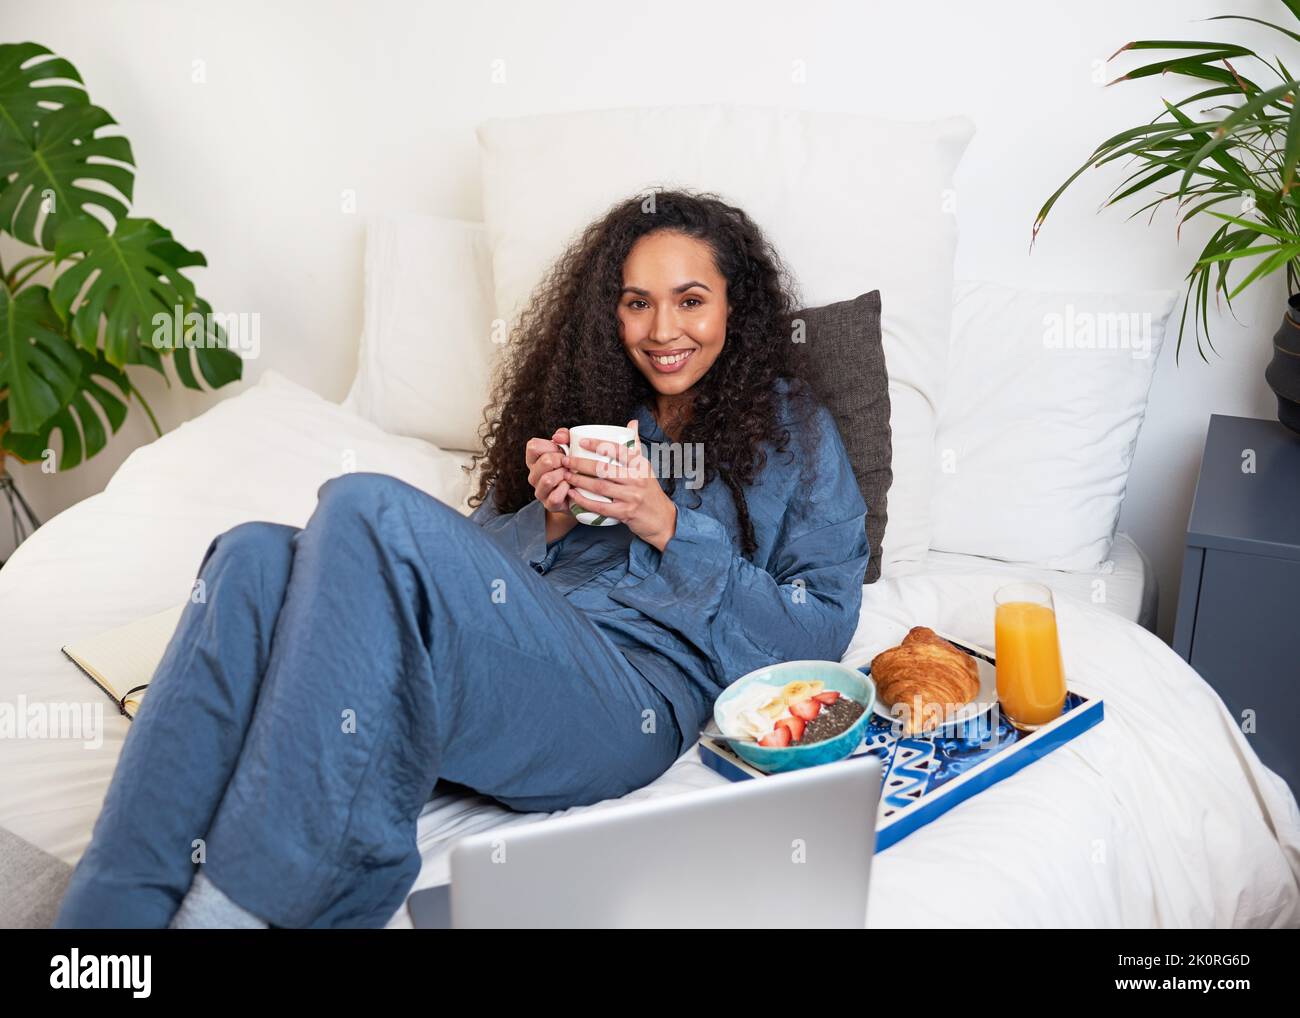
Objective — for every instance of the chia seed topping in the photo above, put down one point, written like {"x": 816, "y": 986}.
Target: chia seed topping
{"x": 833, "y": 719}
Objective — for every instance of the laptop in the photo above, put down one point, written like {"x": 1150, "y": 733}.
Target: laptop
{"x": 786, "y": 850}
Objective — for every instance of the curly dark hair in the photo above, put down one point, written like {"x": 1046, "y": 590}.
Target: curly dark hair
{"x": 567, "y": 364}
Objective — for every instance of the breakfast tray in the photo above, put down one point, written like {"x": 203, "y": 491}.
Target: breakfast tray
{"x": 923, "y": 778}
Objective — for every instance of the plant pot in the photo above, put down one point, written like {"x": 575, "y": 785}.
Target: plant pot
{"x": 1283, "y": 371}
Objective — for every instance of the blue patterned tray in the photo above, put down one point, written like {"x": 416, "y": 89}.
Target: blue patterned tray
{"x": 923, "y": 778}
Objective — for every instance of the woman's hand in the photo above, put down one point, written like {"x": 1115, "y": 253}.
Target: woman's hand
{"x": 639, "y": 501}
{"x": 544, "y": 460}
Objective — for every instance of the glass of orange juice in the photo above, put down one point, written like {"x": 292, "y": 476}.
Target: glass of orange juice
{"x": 1031, "y": 678}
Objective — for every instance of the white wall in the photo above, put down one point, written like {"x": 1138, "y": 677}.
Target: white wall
{"x": 304, "y": 101}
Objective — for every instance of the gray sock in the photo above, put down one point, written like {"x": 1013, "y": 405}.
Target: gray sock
{"x": 206, "y": 907}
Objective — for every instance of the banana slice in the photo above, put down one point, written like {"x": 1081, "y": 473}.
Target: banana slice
{"x": 774, "y": 708}
{"x": 800, "y": 690}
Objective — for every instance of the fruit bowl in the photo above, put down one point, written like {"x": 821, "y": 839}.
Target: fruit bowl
{"x": 834, "y": 677}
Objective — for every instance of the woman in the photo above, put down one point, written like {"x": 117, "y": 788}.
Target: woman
{"x": 305, "y": 709}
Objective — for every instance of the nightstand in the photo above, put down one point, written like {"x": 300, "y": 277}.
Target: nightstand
{"x": 1239, "y": 599}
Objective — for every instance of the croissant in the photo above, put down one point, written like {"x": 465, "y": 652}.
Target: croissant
{"x": 926, "y": 672}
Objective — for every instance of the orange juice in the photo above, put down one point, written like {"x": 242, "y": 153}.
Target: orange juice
{"x": 1031, "y": 678}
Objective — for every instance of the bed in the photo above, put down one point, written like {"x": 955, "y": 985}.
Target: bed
{"x": 1161, "y": 816}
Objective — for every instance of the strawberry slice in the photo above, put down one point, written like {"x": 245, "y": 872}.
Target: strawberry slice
{"x": 805, "y": 709}
{"x": 828, "y": 697}
{"x": 776, "y": 738}
{"x": 795, "y": 726}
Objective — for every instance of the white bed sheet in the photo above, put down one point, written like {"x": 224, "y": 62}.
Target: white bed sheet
{"x": 1161, "y": 816}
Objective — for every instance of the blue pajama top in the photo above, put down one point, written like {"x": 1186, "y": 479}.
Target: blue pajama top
{"x": 697, "y": 616}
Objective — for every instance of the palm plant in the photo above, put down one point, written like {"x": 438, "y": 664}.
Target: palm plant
{"x": 65, "y": 190}
{"x": 1240, "y": 150}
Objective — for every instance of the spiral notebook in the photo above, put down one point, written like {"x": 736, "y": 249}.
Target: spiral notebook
{"x": 122, "y": 661}
{"x": 923, "y": 778}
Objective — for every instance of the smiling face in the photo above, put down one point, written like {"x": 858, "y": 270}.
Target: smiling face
{"x": 672, "y": 312}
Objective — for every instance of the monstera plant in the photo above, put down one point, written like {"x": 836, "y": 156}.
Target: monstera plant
{"x": 66, "y": 183}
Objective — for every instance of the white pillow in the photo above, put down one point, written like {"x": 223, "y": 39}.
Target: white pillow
{"x": 427, "y": 347}
{"x": 851, "y": 203}
{"x": 1045, "y": 398}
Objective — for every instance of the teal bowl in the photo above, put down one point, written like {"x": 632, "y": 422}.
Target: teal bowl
{"x": 843, "y": 678}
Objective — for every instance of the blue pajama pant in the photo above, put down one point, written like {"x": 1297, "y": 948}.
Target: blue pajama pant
{"x": 319, "y": 684}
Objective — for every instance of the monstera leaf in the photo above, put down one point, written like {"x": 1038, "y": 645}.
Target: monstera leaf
{"x": 38, "y": 366}
{"x": 207, "y": 347}
{"x": 216, "y": 361}
{"x": 47, "y": 138}
{"x": 78, "y": 424}
{"x": 28, "y": 93}
{"x": 52, "y": 169}
{"x": 128, "y": 276}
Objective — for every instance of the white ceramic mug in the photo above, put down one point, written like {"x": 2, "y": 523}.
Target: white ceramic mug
{"x": 600, "y": 433}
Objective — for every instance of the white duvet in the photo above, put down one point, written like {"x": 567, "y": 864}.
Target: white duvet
{"x": 1160, "y": 816}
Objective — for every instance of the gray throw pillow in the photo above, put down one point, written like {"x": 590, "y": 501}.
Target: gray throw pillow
{"x": 843, "y": 358}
